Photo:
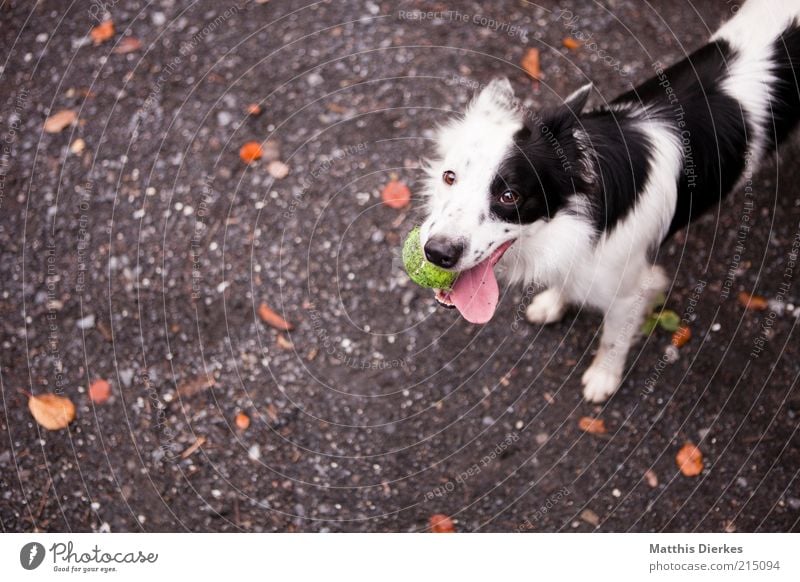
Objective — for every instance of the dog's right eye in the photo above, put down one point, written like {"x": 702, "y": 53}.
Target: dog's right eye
{"x": 449, "y": 177}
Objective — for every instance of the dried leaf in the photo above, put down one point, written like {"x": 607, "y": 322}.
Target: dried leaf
{"x": 278, "y": 170}
{"x": 753, "y": 302}
{"x": 396, "y": 194}
{"x": 592, "y": 425}
{"x": 51, "y": 411}
{"x": 440, "y": 523}
{"x": 571, "y": 43}
{"x": 651, "y": 478}
{"x": 272, "y": 319}
{"x": 77, "y": 146}
{"x": 272, "y": 412}
{"x": 590, "y": 517}
{"x": 242, "y": 421}
{"x": 682, "y": 336}
{"x": 196, "y": 385}
{"x": 58, "y": 121}
{"x": 99, "y": 391}
{"x": 690, "y": 460}
{"x": 250, "y": 152}
{"x": 284, "y": 343}
{"x": 530, "y": 62}
{"x": 254, "y": 109}
{"x": 127, "y": 45}
{"x": 102, "y": 32}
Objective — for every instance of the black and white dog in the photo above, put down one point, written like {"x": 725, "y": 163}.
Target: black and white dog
{"x": 578, "y": 202}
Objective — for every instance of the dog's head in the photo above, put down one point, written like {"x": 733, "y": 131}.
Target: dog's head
{"x": 499, "y": 169}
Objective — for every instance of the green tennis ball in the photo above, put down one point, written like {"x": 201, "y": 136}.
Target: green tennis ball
{"x": 422, "y": 272}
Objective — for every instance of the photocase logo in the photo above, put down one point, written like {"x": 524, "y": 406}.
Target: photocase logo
{"x": 31, "y": 555}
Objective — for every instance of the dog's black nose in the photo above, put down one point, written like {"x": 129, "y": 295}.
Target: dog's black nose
{"x": 443, "y": 252}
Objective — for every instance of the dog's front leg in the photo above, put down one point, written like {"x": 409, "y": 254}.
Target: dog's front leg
{"x": 621, "y": 326}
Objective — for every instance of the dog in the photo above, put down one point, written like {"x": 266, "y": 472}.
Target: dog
{"x": 578, "y": 202}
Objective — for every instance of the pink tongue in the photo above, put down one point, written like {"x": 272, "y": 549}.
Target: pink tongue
{"x": 475, "y": 292}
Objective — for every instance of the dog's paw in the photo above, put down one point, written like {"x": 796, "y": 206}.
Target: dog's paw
{"x": 600, "y": 383}
{"x": 546, "y": 307}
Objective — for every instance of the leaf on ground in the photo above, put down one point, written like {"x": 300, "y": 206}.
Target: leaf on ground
{"x": 571, "y": 43}
{"x": 127, "y": 45}
{"x": 651, "y": 478}
{"x": 99, "y": 391}
{"x": 196, "y": 385}
{"x": 254, "y": 109}
{"x": 530, "y": 62}
{"x": 242, "y": 421}
{"x": 592, "y": 425}
{"x": 102, "y": 32}
{"x": 690, "y": 460}
{"x": 753, "y": 302}
{"x": 199, "y": 442}
{"x": 272, "y": 319}
{"x": 278, "y": 170}
{"x": 284, "y": 343}
{"x": 650, "y": 324}
{"x": 51, "y": 411}
{"x": 396, "y": 194}
{"x": 250, "y": 152}
{"x": 681, "y": 336}
{"x": 669, "y": 320}
{"x": 590, "y": 517}
{"x": 60, "y": 120}
{"x": 272, "y": 412}
{"x": 440, "y": 523}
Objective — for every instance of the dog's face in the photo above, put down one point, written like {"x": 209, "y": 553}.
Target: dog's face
{"x": 498, "y": 169}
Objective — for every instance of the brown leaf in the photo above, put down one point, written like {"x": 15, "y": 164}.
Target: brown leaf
{"x": 199, "y": 442}
{"x": 590, "y": 517}
{"x": 651, "y": 478}
{"x": 592, "y": 425}
{"x": 58, "y": 121}
{"x": 99, "y": 391}
{"x": 284, "y": 343}
{"x": 242, "y": 421}
{"x": 272, "y": 412}
{"x": 102, "y": 32}
{"x": 571, "y": 43}
{"x": 250, "y": 152}
{"x": 396, "y": 194}
{"x": 51, "y": 411}
{"x": 530, "y": 62}
{"x": 682, "y": 336}
{"x": 196, "y": 385}
{"x": 440, "y": 523}
{"x": 272, "y": 319}
{"x": 127, "y": 45}
{"x": 754, "y": 302}
{"x": 278, "y": 170}
{"x": 690, "y": 460}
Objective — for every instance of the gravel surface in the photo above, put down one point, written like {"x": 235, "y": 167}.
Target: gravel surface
{"x": 136, "y": 246}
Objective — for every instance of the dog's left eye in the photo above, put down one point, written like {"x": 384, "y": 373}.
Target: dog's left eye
{"x": 509, "y": 197}
{"x": 449, "y": 177}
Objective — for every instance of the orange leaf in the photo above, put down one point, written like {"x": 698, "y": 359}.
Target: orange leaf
{"x": 53, "y": 412}
{"x": 99, "y": 391}
{"x": 250, "y": 152}
{"x": 754, "y": 302}
{"x": 530, "y": 62}
{"x": 592, "y": 425}
{"x": 396, "y": 194}
{"x": 58, "y": 121}
{"x": 440, "y": 523}
{"x": 690, "y": 460}
{"x": 102, "y": 32}
{"x": 242, "y": 421}
{"x": 681, "y": 336}
{"x": 272, "y": 319}
{"x": 128, "y": 44}
{"x": 571, "y": 43}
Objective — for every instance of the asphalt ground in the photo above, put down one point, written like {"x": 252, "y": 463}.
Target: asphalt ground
{"x": 142, "y": 255}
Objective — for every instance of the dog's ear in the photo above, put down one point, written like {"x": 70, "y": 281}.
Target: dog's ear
{"x": 576, "y": 101}
{"x": 497, "y": 94}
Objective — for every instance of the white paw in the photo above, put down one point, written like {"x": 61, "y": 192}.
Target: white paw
{"x": 599, "y": 383}
{"x": 547, "y": 307}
